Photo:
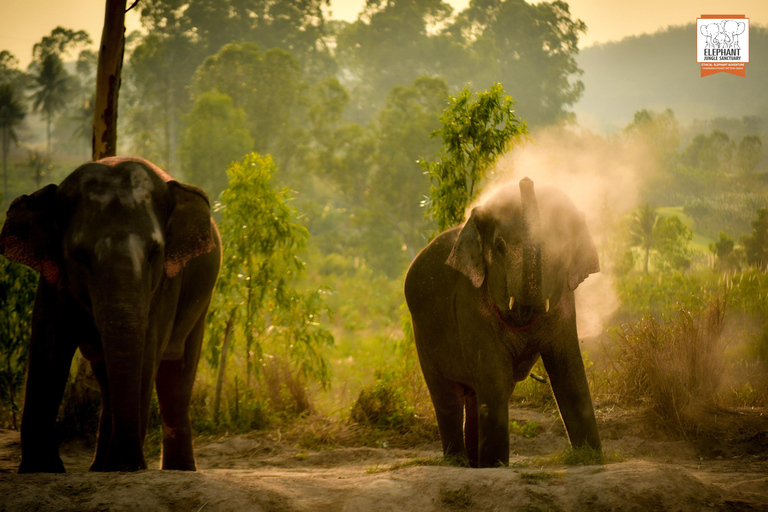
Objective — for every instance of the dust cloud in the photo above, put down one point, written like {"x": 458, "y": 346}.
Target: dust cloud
{"x": 601, "y": 176}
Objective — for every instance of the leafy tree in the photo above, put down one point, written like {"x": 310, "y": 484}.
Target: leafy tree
{"x": 51, "y": 90}
{"x": 713, "y": 153}
{"x": 726, "y": 257}
{"x": 477, "y": 128}
{"x": 756, "y": 244}
{"x": 531, "y": 49}
{"x": 12, "y": 113}
{"x": 216, "y": 135}
{"x": 642, "y": 230}
{"x": 257, "y": 296}
{"x": 659, "y": 132}
{"x": 265, "y": 85}
{"x": 58, "y": 43}
{"x": 671, "y": 238}
{"x": 295, "y": 26}
{"x": 17, "y": 295}
{"x": 9, "y": 70}
{"x": 159, "y": 71}
{"x": 749, "y": 153}
{"x": 411, "y": 49}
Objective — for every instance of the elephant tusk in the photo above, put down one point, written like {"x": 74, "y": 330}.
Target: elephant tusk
{"x": 511, "y": 302}
{"x": 546, "y": 306}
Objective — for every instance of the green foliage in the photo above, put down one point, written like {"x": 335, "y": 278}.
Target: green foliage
{"x": 383, "y": 405}
{"x": 727, "y": 259}
{"x": 262, "y": 243}
{"x": 51, "y": 89}
{"x": 749, "y": 153}
{"x": 477, "y": 128}
{"x": 641, "y": 231}
{"x": 59, "y": 43}
{"x": 17, "y": 296}
{"x": 756, "y": 244}
{"x": 527, "y": 429}
{"x": 12, "y": 113}
{"x": 264, "y": 85}
{"x": 457, "y": 499}
{"x": 671, "y": 238}
{"x": 216, "y": 135}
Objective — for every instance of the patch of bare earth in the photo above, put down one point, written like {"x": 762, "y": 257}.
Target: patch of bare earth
{"x": 263, "y": 472}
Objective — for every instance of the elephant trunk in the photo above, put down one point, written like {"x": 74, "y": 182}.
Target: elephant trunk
{"x": 532, "y": 276}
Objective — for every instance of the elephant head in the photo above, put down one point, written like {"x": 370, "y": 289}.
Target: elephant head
{"x": 525, "y": 248}
{"x": 105, "y": 221}
{"x": 710, "y": 30}
{"x": 733, "y": 29}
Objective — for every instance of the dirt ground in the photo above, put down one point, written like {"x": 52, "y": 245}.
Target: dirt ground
{"x": 647, "y": 471}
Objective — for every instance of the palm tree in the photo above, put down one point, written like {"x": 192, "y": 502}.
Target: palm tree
{"x": 12, "y": 113}
{"x": 51, "y": 90}
{"x": 641, "y": 230}
{"x": 83, "y": 118}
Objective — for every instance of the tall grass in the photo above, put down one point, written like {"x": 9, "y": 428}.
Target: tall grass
{"x": 675, "y": 366}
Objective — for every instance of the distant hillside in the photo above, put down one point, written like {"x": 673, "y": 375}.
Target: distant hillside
{"x": 659, "y": 71}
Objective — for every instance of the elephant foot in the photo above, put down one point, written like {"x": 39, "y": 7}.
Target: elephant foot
{"x": 42, "y": 466}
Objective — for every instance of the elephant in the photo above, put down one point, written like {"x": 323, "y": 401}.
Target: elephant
{"x": 128, "y": 260}
{"x": 733, "y": 29}
{"x": 487, "y": 299}
{"x": 710, "y": 30}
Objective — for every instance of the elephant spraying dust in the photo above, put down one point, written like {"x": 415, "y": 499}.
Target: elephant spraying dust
{"x": 487, "y": 299}
{"x": 128, "y": 260}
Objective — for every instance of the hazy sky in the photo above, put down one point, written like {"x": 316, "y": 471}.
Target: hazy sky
{"x": 25, "y": 22}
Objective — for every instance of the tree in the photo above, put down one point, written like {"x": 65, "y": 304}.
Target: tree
{"x": 727, "y": 259}
{"x": 10, "y": 72}
{"x": 671, "y": 238}
{"x": 265, "y": 85}
{"x": 61, "y": 41}
{"x": 531, "y": 49}
{"x": 756, "y": 244}
{"x": 216, "y": 135}
{"x": 12, "y": 113}
{"x": 477, "y": 128}
{"x": 108, "y": 76}
{"x": 659, "y": 132}
{"x": 642, "y": 229}
{"x": 392, "y": 43}
{"x": 51, "y": 91}
{"x": 749, "y": 153}
{"x": 257, "y": 295}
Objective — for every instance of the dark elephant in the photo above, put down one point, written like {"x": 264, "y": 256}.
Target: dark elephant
{"x": 128, "y": 260}
{"x": 487, "y": 299}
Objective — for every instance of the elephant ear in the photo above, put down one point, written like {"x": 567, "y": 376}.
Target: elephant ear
{"x": 29, "y": 233}
{"x": 467, "y": 253}
{"x": 585, "y": 260}
{"x": 189, "y": 229}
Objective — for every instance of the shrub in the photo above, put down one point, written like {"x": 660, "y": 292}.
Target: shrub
{"x": 676, "y": 366}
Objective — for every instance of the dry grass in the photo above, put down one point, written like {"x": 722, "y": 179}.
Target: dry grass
{"x": 676, "y": 367}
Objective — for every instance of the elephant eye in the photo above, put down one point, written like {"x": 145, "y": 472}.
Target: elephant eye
{"x": 500, "y": 245}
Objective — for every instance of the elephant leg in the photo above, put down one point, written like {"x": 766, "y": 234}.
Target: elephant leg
{"x": 448, "y": 400}
{"x": 470, "y": 427}
{"x": 50, "y": 355}
{"x": 493, "y": 429}
{"x": 174, "y": 382}
{"x": 105, "y": 417}
{"x": 565, "y": 368}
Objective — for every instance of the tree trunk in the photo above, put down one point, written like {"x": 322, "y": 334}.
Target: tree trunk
{"x": 222, "y": 365}
{"x": 108, "y": 80}
{"x": 645, "y": 265}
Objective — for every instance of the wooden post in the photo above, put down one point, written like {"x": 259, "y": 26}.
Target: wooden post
{"x": 108, "y": 80}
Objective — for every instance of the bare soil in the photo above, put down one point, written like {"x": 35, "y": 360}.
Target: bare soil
{"x": 648, "y": 470}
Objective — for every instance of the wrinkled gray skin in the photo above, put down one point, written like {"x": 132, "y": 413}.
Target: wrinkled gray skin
{"x": 128, "y": 261}
{"x": 473, "y": 347}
